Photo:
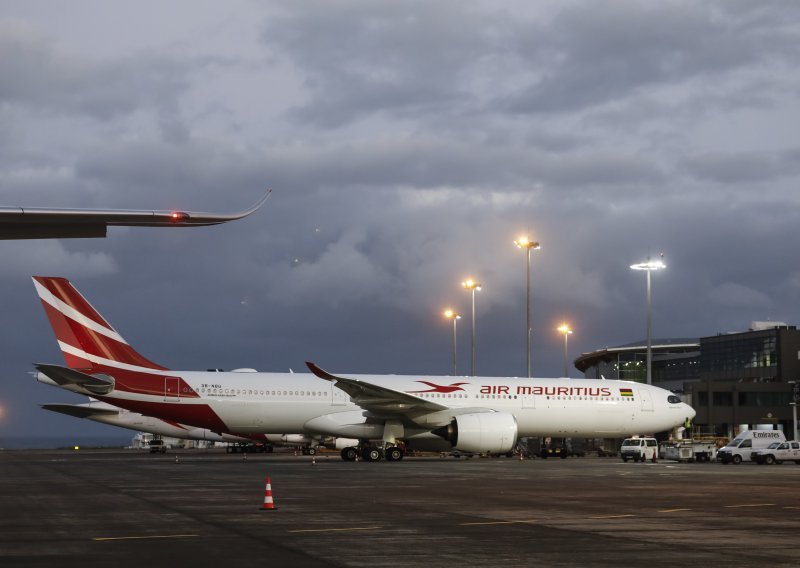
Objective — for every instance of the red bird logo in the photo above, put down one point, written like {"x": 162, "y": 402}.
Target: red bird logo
{"x": 441, "y": 388}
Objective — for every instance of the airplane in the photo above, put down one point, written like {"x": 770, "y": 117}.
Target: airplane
{"x": 105, "y": 413}
{"x": 386, "y": 413}
{"x": 49, "y": 223}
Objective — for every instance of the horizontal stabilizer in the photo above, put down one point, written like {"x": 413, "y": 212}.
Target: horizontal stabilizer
{"x": 79, "y": 410}
{"x": 98, "y": 384}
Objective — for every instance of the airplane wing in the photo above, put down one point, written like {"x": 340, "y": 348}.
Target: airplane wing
{"x": 44, "y": 223}
{"x": 79, "y": 410}
{"x": 377, "y": 399}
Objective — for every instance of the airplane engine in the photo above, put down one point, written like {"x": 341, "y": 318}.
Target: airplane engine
{"x": 494, "y": 432}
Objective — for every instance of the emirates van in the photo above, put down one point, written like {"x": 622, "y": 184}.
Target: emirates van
{"x": 740, "y": 448}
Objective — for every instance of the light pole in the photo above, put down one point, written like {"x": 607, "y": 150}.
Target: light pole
{"x": 450, "y": 314}
{"x": 564, "y": 328}
{"x": 649, "y": 266}
{"x": 528, "y": 245}
{"x": 793, "y": 404}
{"x": 471, "y": 285}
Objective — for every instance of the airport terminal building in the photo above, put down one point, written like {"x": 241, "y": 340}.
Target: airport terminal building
{"x": 733, "y": 380}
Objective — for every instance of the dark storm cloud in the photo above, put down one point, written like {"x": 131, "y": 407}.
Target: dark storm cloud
{"x": 55, "y": 82}
{"x": 745, "y": 167}
{"x": 363, "y": 57}
{"x": 606, "y": 51}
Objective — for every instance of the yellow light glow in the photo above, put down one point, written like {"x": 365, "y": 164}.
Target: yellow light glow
{"x": 470, "y": 284}
{"x": 450, "y": 314}
{"x": 564, "y": 328}
{"x": 526, "y": 243}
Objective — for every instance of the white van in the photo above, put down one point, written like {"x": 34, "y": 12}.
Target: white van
{"x": 639, "y": 449}
{"x": 740, "y": 448}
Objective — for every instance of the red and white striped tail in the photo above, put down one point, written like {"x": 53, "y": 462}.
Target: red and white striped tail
{"x": 268, "y": 503}
{"x": 86, "y": 339}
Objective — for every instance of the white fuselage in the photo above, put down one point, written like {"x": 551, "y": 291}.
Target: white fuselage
{"x": 257, "y": 403}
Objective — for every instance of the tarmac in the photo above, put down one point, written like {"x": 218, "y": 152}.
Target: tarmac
{"x": 205, "y": 508}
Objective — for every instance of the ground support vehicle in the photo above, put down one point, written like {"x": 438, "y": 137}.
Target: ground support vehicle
{"x": 639, "y": 449}
{"x": 742, "y": 446}
{"x": 778, "y": 452}
{"x": 688, "y": 451}
{"x": 157, "y": 446}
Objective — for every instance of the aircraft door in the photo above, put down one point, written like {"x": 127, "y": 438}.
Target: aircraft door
{"x": 647, "y": 399}
{"x": 172, "y": 389}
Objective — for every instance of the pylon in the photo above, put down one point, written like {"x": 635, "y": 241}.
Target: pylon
{"x": 520, "y": 456}
{"x": 268, "y": 503}
{"x": 176, "y": 458}
{"x": 313, "y": 460}
{"x": 244, "y": 457}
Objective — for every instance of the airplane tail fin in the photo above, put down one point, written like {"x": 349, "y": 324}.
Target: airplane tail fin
{"x": 86, "y": 339}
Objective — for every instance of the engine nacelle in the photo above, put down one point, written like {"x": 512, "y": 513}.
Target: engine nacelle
{"x": 494, "y": 432}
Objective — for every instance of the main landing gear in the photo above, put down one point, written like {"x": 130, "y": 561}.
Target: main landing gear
{"x": 372, "y": 453}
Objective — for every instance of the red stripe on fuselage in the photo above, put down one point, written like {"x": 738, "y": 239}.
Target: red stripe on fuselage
{"x": 199, "y": 415}
{"x": 144, "y": 383}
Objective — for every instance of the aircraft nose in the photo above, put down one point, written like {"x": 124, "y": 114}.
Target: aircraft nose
{"x": 691, "y": 412}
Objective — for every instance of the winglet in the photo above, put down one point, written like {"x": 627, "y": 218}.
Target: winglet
{"x": 321, "y": 373}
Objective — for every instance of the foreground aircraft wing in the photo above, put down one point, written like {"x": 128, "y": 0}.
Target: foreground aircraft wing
{"x": 378, "y": 399}
{"x": 45, "y": 223}
{"x": 79, "y": 410}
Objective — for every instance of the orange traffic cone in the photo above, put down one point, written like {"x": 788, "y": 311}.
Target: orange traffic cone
{"x": 268, "y": 504}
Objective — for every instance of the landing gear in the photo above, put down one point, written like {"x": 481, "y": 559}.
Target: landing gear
{"x": 372, "y": 453}
{"x": 310, "y": 451}
{"x": 349, "y": 453}
{"x": 393, "y": 453}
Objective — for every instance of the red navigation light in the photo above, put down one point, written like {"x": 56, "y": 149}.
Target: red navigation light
{"x": 179, "y": 216}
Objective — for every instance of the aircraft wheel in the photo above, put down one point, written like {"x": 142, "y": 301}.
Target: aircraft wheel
{"x": 349, "y": 453}
{"x": 394, "y": 453}
{"x": 371, "y": 454}
{"x": 312, "y": 451}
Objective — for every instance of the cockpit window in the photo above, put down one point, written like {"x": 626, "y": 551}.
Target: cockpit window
{"x": 672, "y": 399}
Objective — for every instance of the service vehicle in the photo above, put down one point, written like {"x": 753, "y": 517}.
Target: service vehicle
{"x": 740, "y": 448}
{"x": 639, "y": 449}
{"x": 157, "y": 446}
{"x": 778, "y": 452}
{"x": 688, "y": 450}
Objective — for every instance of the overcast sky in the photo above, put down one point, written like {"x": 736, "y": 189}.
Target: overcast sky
{"x": 407, "y": 144}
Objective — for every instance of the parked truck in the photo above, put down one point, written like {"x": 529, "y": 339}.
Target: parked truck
{"x": 778, "y": 452}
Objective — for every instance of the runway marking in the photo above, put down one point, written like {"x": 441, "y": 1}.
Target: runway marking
{"x": 336, "y": 530}
{"x": 145, "y": 537}
{"x": 528, "y": 521}
{"x": 752, "y": 505}
{"x": 612, "y": 517}
{"x": 673, "y": 510}
{"x": 789, "y": 507}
